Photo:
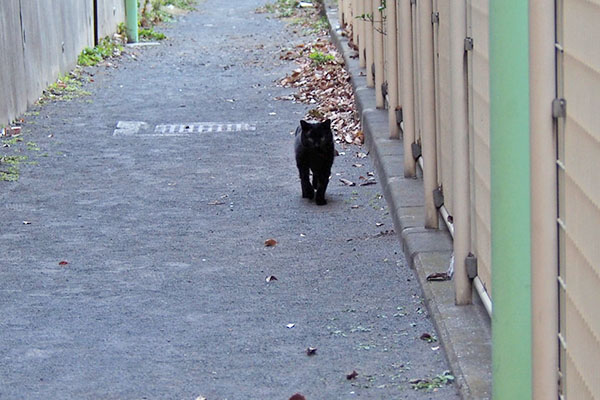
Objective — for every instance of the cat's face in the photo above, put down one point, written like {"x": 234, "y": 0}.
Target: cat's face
{"x": 316, "y": 135}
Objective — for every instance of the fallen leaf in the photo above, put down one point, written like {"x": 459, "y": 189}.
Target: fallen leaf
{"x": 290, "y": 326}
{"x": 438, "y": 276}
{"x": 379, "y": 224}
{"x": 200, "y": 398}
{"x": 297, "y": 396}
{"x": 26, "y": 223}
{"x": 355, "y": 206}
{"x": 361, "y": 155}
{"x": 347, "y": 182}
{"x": 270, "y": 242}
{"x": 352, "y": 375}
{"x": 370, "y": 181}
{"x": 358, "y": 165}
{"x": 215, "y": 203}
{"x": 426, "y": 337}
{"x": 311, "y": 351}
{"x": 63, "y": 263}
{"x": 271, "y": 278}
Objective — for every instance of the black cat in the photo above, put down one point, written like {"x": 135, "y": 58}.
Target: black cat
{"x": 314, "y": 152}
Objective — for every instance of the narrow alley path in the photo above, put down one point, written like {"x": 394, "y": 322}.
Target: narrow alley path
{"x": 132, "y": 255}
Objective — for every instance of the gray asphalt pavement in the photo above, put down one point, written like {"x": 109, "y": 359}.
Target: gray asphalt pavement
{"x": 132, "y": 255}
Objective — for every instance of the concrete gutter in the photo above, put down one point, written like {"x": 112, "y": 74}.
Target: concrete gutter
{"x": 464, "y": 331}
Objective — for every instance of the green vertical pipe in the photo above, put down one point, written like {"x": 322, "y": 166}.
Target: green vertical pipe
{"x": 510, "y": 199}
{"x": 131, "y": 10}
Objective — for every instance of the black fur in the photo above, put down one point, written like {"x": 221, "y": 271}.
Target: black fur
{"x": 314, "y": 152}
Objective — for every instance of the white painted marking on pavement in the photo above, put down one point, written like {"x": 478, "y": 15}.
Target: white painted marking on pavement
{"x": 129, "y": 128}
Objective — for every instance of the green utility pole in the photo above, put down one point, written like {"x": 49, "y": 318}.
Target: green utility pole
{"x": 510, "y": 199}
{"x": 131, "y": 10}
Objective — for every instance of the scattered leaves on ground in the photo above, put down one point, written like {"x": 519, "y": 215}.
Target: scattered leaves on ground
{"x": 320, "y": 78}
{"x": 434, "y": 383}
{"x": 322, "y": 81}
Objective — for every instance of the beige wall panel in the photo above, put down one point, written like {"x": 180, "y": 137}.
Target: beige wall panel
{"x": 576, "y": 388}
{"x": 444, "y": 104}
{"x": 582, "y": 187}
{"x": 579, "y": 197}
{"x": 582, "y": 351}
{"x": 582, "y": 29}
{"x": 583, "y": 283}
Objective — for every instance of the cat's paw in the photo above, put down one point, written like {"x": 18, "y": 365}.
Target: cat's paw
{"x": 308, "y": 194}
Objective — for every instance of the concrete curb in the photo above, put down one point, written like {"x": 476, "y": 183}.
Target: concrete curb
{"x": 465, "y": 331}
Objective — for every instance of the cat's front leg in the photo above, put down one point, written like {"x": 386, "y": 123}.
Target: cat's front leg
{"x": 308, "y": 192}
{"x": 321, "y": 186}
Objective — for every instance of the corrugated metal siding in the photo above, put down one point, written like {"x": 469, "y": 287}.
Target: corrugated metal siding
{"x": 40, "y": 40}
{"x": 110, "y": 14}
{"x": 12, "y": 73}
{"x": 443, "y": 103}
{"x": 479, "y": 97}
{"x": 579, "y": 198}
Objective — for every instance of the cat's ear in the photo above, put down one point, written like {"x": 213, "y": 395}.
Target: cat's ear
{"x": 305, "y": 125}
{"x": 327, "y": 123}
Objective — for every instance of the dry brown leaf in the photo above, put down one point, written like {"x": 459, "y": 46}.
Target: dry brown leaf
{"x": 270, "y": 242}
{"x": 368, "y": 182}
{"x": 352, "y": 375}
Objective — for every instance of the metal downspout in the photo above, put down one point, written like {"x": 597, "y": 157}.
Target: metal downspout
{"x": 510, "y": 199}
{"x": 460, "y": 144}
{"x": 544, "y": 235}
{"x": 392, "y": 67}
{"x": 430, "y": 182}
{"x": 378, "y": 48}
{"x": 407, "y": 88}
{"x": 131, "y": 10}
{"x": 369, "y": 42}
